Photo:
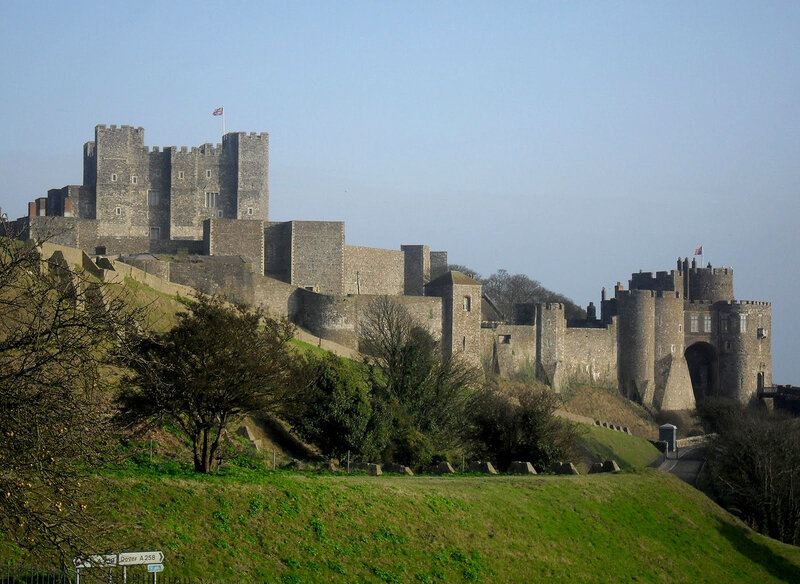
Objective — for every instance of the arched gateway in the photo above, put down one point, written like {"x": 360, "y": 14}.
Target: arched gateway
{"x": 703, "y": 364}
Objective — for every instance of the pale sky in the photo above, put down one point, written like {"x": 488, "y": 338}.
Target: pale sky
{"x": 575, "y": 142}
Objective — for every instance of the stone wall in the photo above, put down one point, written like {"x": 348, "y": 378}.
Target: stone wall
{"x": 417, "y": 269}
{"x": 368, "y": 270}
{"x": 338, "y": 318}
{"x": 318, "y": 256}
{"x": 509, "y": 348}
{"x": 590, "y": 355}
{"x": 278, "y": 251}
{"x": 227, "y": 237}
{"x": 229, "y": 276}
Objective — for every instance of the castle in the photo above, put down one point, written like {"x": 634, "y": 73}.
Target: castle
{"x": 200, "y": 217}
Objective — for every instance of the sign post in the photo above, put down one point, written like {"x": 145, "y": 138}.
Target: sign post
{"x": 153, "y": 559}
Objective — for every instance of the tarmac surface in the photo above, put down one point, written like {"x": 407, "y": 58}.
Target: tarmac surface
{"x": 685, "y": 464}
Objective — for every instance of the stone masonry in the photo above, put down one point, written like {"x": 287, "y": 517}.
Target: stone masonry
{"x": 200, "y": 217}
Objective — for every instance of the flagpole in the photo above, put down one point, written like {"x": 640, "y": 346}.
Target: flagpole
{"x": 223, "y": 120}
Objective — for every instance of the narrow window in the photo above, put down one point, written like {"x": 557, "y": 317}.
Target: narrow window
{"x": 118, "y": 211}
{"x": 113, "y": 177}
{"x": 724, "y": 324}
{"x": 742, "y": 323}
{"x": 219, "y": 213}
{"x": 760, "y": 321}
{"x": 152, "y": 198}
{"x": 463, "y": 343}
{"x": 707, "y": 323}
{"x": 180, "y": 174}
{"x": 680, "y": 328}
{"x": 208, "y": 174}
{"x": 467, "y": 303}
{"x": 672, "y": 348}
{"x": 249, "y": 210}
{"x": 693, "y": 323}
{"x": 155, "y": 233}
{"x": 134, "y": 179}
{"x": 211, "y": 200}
{"x": 504, "y": 339}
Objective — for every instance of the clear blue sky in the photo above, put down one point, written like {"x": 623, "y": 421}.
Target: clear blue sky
{"x": 575, "y": 142}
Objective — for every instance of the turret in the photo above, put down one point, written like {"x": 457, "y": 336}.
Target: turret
{"x": 636, "y": 344}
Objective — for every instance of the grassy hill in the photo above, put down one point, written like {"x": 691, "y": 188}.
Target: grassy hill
{"x": 597, "y": 444}
{"x": 289, "y": 527}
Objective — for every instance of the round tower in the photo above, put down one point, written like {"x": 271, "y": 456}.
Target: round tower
{"x": 745, "y": 349}
{"x": 636, "y": 344}
{"x": 710, "y": 284}
{"x": 673, "y": 383}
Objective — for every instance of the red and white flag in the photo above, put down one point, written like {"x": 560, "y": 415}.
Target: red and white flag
{"x": 699, "y": 251}
{"x": 219, "y": 111}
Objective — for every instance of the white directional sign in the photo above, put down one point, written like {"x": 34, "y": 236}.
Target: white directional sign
{"x": 96, "y": 561}
{"x": 155, "y": 567}
{"x": 137, "y": 558}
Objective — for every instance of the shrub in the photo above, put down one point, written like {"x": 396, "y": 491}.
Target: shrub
{"x": 515, "y": 421}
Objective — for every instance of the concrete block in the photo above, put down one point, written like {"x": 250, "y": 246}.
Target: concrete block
{"x": 395, "y": 468}
{"x": 443, "y": 468}
{"x": 520, "y": 467}
{"x": 482, "y": 467}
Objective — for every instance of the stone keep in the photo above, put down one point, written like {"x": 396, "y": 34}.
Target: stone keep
{"x": 157, "y": 195}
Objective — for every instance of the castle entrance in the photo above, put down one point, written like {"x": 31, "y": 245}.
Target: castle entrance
{"x": 703, "y": 369}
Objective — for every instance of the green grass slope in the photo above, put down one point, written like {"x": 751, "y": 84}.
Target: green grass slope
{"x": 287, "y": 527}
{"x": 598, "y": 444}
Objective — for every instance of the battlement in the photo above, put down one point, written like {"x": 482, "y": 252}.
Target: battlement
{"x": 747, "y": 303}
{"x": 712, "y": 271}
{"x": 252, "y": 135}
{"x": 667, "y": 294}
{"x": 553, "y": 306}
{"x": 662, "y": 280}
{"x": 635, "y": 292}
{"x": 123, "y": 128}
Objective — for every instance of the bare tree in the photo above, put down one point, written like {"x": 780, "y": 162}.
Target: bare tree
{"x": 217, "y": 365}
{"x": 58, "y": 326}
{"x": 506, "y": 290}
{"x": 433, "y": 390}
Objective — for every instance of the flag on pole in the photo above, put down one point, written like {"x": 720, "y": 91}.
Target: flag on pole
{"x": 699, "y": 251}
{"x": 219, "y": 111}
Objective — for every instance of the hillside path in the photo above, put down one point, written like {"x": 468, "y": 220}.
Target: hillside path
{"x": 687, "y": 464}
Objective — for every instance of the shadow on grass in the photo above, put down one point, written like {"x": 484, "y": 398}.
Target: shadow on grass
{"x": 778, "y": 566}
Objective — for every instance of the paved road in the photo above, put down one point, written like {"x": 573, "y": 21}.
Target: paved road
{"x": 687, "y": 465}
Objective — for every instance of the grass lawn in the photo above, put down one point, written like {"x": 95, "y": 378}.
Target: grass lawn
{"x": 287, "y": 527}
{"x": 629, "y": 451}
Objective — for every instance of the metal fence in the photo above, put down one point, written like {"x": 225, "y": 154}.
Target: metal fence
{"x": 18, "y": 574}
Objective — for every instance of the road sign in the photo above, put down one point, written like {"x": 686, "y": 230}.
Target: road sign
{"x": 155, "y": 567}
{"x": 96, "y": 561}
{"x": 137, "y": 558}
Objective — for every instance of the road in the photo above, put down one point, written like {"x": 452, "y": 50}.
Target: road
{"x": 687, "y": 465}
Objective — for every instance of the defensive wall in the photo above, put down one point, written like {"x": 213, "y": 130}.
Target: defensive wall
{"x": 674, "y": 337}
